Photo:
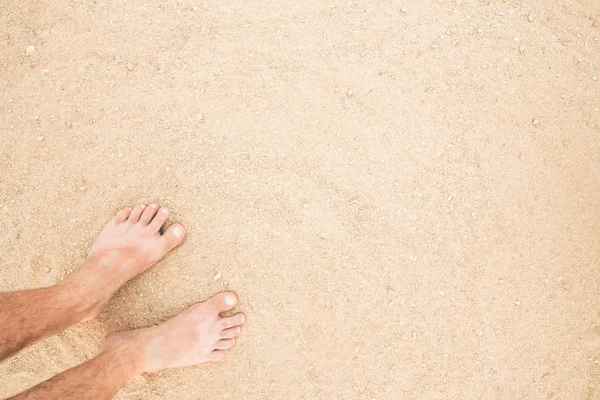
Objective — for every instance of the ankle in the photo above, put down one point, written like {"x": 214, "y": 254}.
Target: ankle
{"x": 95, "y": 281}
{"x": 111, "y": 269}
{"x": 128, "y": 348}
{"x": 124, "y": 360}
{"x": 76, "y": 297}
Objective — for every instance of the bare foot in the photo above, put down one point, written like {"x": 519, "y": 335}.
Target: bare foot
{"x": 195, "y": 336}
{"x": 135, "y": 236}
{"x": 128, "y": 245}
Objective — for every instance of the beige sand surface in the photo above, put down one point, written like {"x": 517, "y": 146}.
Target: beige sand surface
{"x": 405, "y": 194}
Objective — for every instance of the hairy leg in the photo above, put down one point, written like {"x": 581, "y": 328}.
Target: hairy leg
{"x": 197, "y": 335}
{"x": 128, "y": 245}
{"x": 30, "y": 315}
{"x": 96, "y": 379}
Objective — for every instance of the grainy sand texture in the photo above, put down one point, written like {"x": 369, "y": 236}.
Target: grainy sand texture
{"x": 404, "y": 194}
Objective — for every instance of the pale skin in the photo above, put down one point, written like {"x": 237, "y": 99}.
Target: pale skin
{"x": 128, "y": 245}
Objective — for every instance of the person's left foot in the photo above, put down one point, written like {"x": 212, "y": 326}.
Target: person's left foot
{"x": 128, "y": 245}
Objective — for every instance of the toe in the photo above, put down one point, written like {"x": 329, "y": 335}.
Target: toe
{"x": 217, "y": 355}
{"x": 231, "y": 332}
{"x": 173, "y": 236}
{"x": 224, "y": 344}
{"x": 223, "y": 301}
{"x": 149, "y": 213}
{"x": 135, "y": 215}
{"x": 159, "y": 219}
{"x": 122, "y": 215}
{"x": 236, "y": 320}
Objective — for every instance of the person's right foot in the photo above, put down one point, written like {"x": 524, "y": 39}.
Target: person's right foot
{"x": 195, "y": 336}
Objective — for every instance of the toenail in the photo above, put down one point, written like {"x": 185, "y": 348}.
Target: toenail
{"x": 229, "y": 300}
{"x": 177, "y": 231}
{"x": 164, "y": 210}
{"x": 243, "y": 319}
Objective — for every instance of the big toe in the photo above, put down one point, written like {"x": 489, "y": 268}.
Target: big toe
{"x": 223, "y": 302}
{"x": 173, "y": 236}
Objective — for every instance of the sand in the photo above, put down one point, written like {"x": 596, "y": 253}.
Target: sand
{"x": 404, "y": 194}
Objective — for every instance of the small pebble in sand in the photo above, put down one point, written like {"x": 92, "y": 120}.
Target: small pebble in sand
{"x": 200, "y": 117}
{"x": 40, "y": 138}
{"x": 567, "y": 41}
{"x": 530, "y": 18}
{"x": 217, "y": 276}
{"x": 68, "y": 124}
{"x": 130, "y": 67}
{"x": 403, "y": 9}
{"x": 30, "y": 50}
{"x": 167, "y": 169}
{"x": 535, "y": 122}
{"x": 595, "y": 77}
{"x": 518, "y": 303}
